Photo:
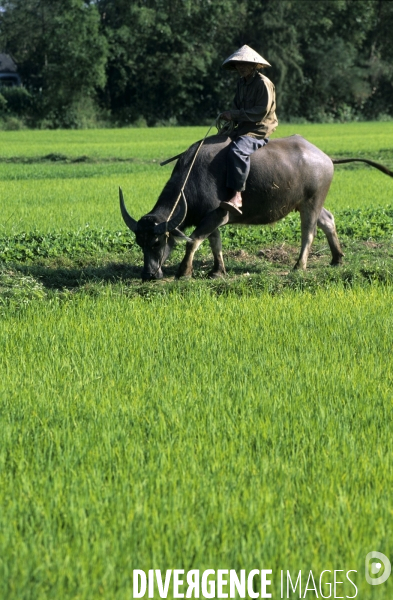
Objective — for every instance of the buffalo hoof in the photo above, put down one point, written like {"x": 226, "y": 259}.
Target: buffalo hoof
{"x": 216, "y": 274}
{"x": 181, "y": 275}
{"x": 299, "y": 267}
{"x": 336, "y": 262}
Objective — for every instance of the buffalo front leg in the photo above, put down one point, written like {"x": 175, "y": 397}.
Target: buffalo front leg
{"x": 327, "y": 224}
{"x": 216, "y": 247}
{"x": 206, "y": 228}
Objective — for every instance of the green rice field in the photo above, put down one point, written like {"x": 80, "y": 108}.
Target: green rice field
{"x": 241, "y": 423}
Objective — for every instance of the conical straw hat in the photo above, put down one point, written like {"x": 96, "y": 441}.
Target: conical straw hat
{"x": 245, "y": 54}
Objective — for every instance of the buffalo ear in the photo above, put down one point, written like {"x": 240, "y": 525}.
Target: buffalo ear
{"x": 179, "y": 236}
{"x": 176, "y": 220}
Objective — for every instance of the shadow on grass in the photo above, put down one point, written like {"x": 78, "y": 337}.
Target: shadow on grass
{"x": 73, "y": 278}
{"x": 270, "y": 270}
{"x": 61, "y": 277}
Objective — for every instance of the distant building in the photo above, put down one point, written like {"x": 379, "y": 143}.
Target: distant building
{"x": 8, "y": 71}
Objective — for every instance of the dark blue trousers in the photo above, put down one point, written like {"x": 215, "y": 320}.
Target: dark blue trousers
{"x": 238, "y": 161}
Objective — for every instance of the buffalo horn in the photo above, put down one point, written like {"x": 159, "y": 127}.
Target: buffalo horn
{"x": 176, "y": 220}
{"x": 129, "y": 221}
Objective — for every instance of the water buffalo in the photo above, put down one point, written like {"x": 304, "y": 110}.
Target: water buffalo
{"x": 289, "y": 174}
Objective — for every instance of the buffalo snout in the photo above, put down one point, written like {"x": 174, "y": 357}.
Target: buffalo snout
{"x": 148, "y": 276}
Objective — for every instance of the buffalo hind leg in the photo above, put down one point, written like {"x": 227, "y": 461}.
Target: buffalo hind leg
{"x": 327, "y": 224}
{"x": 308, "y": 222}
{"x": 207, "y": 226}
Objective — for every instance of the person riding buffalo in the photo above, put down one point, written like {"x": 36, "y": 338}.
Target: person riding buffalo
{"x": 253, "y": 116}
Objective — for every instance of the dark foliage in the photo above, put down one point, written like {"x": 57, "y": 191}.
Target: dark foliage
{"x": 159, "y": 61}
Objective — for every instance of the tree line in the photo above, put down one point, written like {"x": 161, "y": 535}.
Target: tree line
{"x": 159, "y": 61}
